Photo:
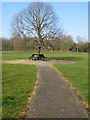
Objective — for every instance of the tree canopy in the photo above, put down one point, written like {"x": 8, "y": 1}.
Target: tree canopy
{"x": 38, "y": 20}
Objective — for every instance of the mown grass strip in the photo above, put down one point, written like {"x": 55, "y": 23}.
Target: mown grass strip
{"x": 18, "y": 84}
{"x": 9, "y": 55}
{"x": 77, "y": 73}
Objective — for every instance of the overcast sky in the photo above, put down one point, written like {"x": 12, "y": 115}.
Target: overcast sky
{"x": 73, "y": 15}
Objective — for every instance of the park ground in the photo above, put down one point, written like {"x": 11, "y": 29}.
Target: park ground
{"x": 19, "y": 79}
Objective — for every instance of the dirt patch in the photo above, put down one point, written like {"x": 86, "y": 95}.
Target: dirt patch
{"x": 25, "y": 61}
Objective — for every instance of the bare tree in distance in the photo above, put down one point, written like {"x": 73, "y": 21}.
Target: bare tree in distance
{"x": 38, "y": 20}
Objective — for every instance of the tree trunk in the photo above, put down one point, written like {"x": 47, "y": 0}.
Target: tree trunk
{"x": 39, "y": 50}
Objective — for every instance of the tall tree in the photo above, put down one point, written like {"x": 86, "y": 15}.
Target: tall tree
{"x": 38, "y": 20}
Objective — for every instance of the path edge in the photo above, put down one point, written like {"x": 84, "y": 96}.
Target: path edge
{"x": 27, "y": 107}
{"x": 81, "y": 100}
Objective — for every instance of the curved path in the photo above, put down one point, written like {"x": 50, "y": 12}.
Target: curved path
{"x": 53, "y": 97}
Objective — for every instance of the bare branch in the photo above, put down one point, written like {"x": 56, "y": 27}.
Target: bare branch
{"x": 38, "y": 20}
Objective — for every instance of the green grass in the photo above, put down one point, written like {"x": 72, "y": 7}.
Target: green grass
{"x": 9, "y": 55}
{"x": 18, "y": 84}
{"x": 77, "y": 73}
{"x": 65, "y": 56}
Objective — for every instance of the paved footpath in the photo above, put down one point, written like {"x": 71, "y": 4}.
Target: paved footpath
{"x": 53, "y": 97}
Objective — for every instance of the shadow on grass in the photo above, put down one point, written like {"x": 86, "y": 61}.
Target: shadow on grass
{"x": 66, "y": 58}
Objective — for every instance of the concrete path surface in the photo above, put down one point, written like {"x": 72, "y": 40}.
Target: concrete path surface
{"x": 53, "y": 97}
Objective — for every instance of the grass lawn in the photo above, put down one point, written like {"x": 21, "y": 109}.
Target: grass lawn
{"x": 18, "y": 84}
{"x": 77, "y": 73}
{"x": 9, "y": 55}
{"x": 19, "y": 80}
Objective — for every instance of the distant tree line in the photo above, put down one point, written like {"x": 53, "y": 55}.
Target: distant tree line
{"x": 38, "y": 28}
{"x": 64, "y": 43}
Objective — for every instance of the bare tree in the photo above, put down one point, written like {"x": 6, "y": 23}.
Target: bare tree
{"x": 38, "y": 20}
